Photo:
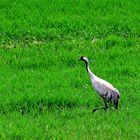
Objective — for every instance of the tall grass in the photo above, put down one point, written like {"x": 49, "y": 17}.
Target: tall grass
{"x": 45, "y": 93}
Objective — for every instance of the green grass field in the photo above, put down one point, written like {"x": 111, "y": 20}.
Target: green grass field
{"x": 45, "y": 93}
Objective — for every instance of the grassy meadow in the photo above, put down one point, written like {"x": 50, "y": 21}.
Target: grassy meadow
{"x": 45, "y": 93}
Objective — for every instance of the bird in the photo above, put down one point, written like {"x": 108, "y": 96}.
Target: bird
{"x": 106, "y": 90}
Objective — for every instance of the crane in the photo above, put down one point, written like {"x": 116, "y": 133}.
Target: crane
{"x": 102, "y": 87}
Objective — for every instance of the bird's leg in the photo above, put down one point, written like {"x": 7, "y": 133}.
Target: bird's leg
{"x": 95, "y": 109}
{"x": 116, "y": 101}
{"x": 105, "y": 108}
{"x": 116, "y": 104}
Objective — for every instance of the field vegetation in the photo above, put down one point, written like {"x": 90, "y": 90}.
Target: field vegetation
{"x": 45, "y": 92}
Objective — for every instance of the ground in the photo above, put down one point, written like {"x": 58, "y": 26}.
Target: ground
{"x": 45, "y": 92}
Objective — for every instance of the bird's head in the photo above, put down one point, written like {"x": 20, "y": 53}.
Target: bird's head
{"x": 84, "y": 58}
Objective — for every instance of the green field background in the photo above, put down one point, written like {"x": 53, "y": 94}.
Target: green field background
{"x": 45, "y": 92}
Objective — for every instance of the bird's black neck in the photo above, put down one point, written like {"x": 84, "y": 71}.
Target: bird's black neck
{"x": 86, "y": 65}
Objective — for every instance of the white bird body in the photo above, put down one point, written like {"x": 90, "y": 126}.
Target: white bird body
{"x": 102, "y": 87}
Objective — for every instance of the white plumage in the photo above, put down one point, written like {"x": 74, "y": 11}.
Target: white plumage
{"x": 103, "y": 88}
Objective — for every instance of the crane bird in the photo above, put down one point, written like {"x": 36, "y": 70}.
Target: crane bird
{"x": 102, "y": 87}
